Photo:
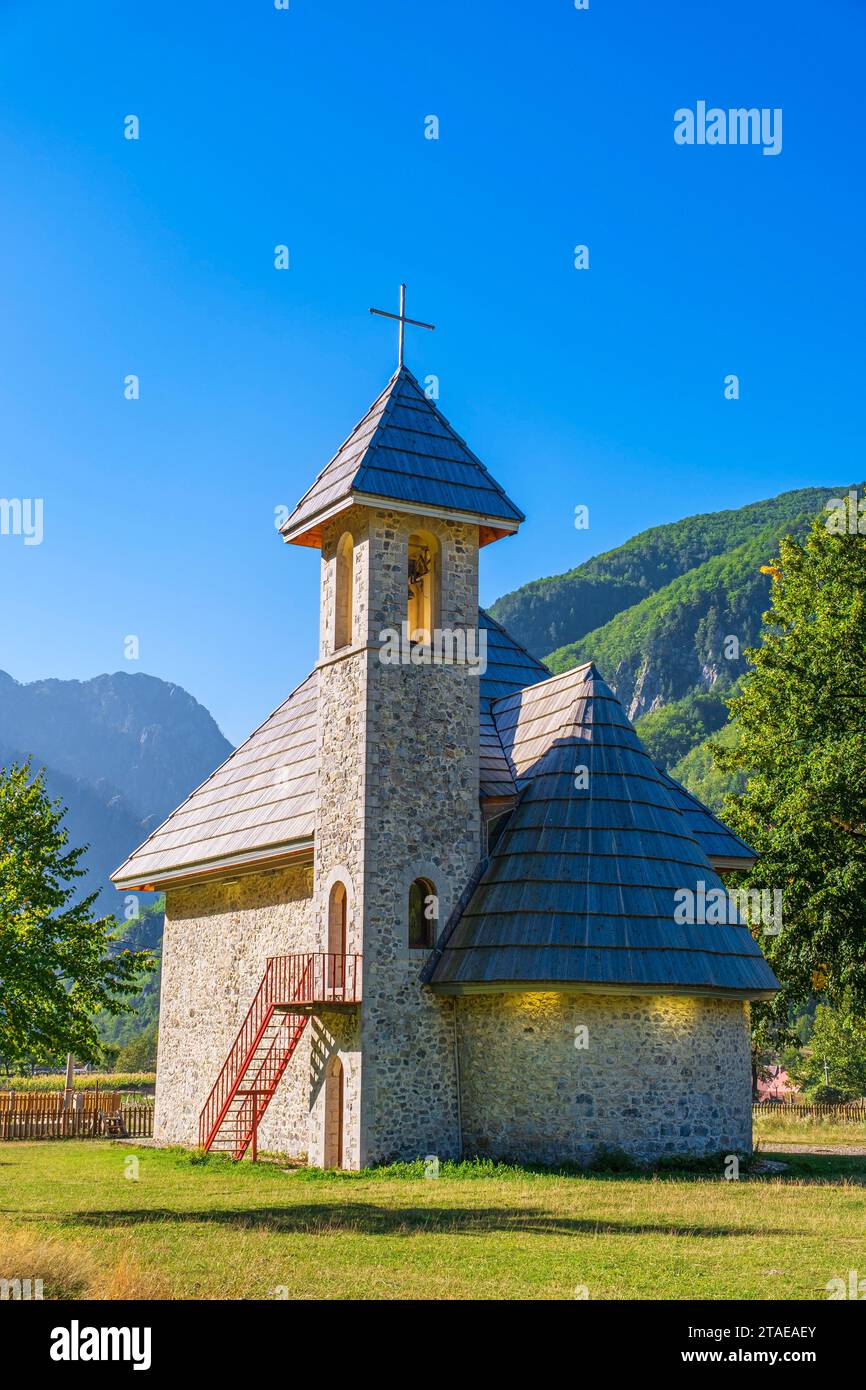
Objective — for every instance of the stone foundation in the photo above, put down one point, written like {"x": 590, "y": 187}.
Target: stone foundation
{"x": 661, "y": 1074}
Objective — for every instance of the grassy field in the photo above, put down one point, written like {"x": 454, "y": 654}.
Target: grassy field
{"x": 182, "y": 1228}
{"x": 105, "y": 1080}
{"x": 805, "y": 1130}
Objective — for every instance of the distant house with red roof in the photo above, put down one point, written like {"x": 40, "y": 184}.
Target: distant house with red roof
{"x": 774, "y": 1083}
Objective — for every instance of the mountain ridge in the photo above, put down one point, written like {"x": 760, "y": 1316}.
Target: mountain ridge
{"x": 119, "y": 750}
{"x": 548, "y": 613}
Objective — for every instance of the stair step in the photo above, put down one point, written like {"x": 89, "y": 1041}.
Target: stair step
{"x": 261, "y": 1070}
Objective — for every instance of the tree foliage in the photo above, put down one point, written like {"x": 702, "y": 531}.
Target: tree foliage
{"x": 801, "y": 721}
{"x": 56, "y": 967}
{"x": 143, "y": 932}
{"x": 669, "y": 733}
{"x": 139, "y": 1054}
{"x": 836, "y": 1057}
{"x": 697, "y": 771}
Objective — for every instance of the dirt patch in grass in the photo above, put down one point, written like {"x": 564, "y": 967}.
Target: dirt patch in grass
{"x": 810, "y": 1147}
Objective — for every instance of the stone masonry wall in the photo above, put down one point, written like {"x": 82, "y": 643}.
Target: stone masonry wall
{"x": 661, "y": 1074}
{"x": 340, "y": 814}
{"x": 215, "y": 947}
{"x": 422, "y": 819}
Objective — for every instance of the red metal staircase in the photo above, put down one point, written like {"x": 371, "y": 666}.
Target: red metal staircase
{"x": 293, "y": 988}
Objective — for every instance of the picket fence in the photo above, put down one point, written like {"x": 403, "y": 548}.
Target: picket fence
{"x": 23, "y": 1102}
{"x": 126, "y": 1121}
{"x": 851, "y": 1112}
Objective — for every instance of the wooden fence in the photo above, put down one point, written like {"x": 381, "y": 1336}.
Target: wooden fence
{"x": 23, "y": 1102}
{"x": 852, "y": 1112}
{"x": 127, "y": 1122}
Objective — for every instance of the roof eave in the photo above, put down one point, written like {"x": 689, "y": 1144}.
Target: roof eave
{"x": 309, "y": 531}
{"x": 210, "y": 869}
{"x": 459, "y": 987}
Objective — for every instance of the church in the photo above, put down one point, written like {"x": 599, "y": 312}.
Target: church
{"x": 428, "y": 907}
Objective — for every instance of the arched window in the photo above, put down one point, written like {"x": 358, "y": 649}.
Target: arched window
{"x": 423, "y": 914}
{"x": 424, "y": 579}
{"x": 343, "y": 592}
{"x": 336, "y": 961}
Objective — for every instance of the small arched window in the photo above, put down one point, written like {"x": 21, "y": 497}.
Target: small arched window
{"x": 423, "y": 584}
{"x": 343, "y": 591}
{"x": 336, "y": 956}
{"x": 423, "y": 914}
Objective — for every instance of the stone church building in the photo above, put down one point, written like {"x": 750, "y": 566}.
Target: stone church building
{"x": 430, "y": 905}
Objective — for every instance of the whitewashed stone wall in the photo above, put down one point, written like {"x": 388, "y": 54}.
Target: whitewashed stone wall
{"x": 661, "y": 1074}
{"x": 215, "y": 948}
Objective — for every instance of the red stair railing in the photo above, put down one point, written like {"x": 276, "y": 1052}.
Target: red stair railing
{"x": 306, "y": 979}
{"x": 317, "y": 977}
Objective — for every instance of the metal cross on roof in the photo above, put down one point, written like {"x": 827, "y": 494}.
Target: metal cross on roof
{"x": 402, "y": 320}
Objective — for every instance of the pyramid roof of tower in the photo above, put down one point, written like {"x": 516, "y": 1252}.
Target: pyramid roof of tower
{"x": 405, "y": 453}
{"x": 580, "y": 889}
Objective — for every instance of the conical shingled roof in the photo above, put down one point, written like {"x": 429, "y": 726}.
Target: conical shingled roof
{"x": 580, "y": 889}
{"x": 404, "y": 451}
{"x": 726, "y": 850}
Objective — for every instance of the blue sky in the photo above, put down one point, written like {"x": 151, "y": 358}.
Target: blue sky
{"x": 259, "y": 127}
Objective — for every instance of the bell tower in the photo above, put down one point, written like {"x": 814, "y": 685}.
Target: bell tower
{"x": 399, "y": 516}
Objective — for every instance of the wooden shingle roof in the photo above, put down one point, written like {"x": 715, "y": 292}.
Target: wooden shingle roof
{"x": 725, "y": 849}
{"x": 579, "y": 891}
{"x": 404, "y": 452}
{"x": 509, "y": 667}
{"x": 259, "y": 803}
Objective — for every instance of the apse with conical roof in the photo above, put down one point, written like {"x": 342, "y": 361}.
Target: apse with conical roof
{"x": 581, "y": 889}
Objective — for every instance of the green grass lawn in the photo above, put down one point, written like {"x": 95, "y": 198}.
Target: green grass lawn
{"x": 188, "y": 1229}
{"x": 805, "y": 1129}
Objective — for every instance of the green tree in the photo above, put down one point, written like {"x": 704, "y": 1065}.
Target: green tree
{"x": 670, "y": 732}
{"x": 56, "y": 972}
{"x": 837, "y": 1055}
{"x": 139, "y": 1054}
{"x": 801, "y": 723}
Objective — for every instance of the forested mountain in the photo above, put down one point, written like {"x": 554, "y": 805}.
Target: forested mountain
{"x": 548, "y": 614}
{"x": 675, "y": 640}
{"x": 666, "y": 618}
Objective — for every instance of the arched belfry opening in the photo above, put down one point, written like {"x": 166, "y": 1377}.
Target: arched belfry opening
{"x": 344, "y": 583}
{"x": 424, "y": 582}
